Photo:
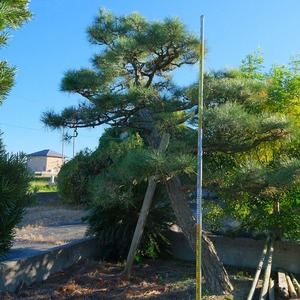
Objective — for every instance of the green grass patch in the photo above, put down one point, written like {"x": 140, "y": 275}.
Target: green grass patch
{"x": 42, "y": 184}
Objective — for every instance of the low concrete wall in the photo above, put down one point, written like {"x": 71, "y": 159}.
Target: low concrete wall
{"x": 246, "y": 253}
{"x": 37, "y": 268}
{"x": 232, "y": 251}
{"x": 242, "y": 252}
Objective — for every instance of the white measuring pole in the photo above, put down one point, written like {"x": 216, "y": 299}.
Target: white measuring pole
{"x": 199, "y": 170}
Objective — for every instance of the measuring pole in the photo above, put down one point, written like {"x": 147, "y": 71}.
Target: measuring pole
{"x": 199, "y": 170}
{"x": 63, "y": 146}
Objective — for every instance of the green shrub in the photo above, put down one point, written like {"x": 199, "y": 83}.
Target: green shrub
{"x": 73, "y": 178}
{"x": 113, "y": 180}
{"x": 14, "y": 196}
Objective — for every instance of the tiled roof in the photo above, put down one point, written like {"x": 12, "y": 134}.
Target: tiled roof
{"x": 46, "y": 152}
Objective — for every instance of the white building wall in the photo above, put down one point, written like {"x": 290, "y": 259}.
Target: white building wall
{"x": 54, "y": 164}
{"x": 44, "y": 164}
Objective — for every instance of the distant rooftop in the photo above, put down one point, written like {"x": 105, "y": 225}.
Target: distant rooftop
{"x": 46, "y": 152}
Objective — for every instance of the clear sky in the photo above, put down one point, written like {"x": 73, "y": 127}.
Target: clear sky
{"x": 55, "y": 40}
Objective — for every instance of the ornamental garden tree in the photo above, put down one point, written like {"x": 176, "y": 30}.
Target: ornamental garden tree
{"x": 250, "y": 138}
{"x": 130, "y": 87}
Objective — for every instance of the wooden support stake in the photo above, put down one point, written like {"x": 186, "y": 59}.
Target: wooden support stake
{"x": 292, "y": 291}
{"x": 139, "y": 229}
{"x": 265, "y": 287}
{"x": 259, "y": 268}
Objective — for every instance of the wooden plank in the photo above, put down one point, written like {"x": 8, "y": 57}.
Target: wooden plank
{"x": 282, "y": 285}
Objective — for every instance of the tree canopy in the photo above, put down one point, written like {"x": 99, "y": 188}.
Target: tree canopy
{"x": 131, "y": 72}
{"x": 250, "y": 134}
{"x": 14, "y": 178}
{"x": 257, "y": 175}
{"x": 130, "y": 88}
{"x": 12, "y": 15}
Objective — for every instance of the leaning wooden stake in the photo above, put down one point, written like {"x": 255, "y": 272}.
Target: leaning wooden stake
{"x": 143, "y": 214}
{"x": 265, "y": 287}
{"x": 259, "y": 268}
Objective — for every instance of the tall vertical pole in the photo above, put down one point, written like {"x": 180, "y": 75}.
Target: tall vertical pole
{"x": 199, "y": 170}
{"x": 63, "y": 147}
{"x": 75, "y": 134}
{"x": 74, "y": 137}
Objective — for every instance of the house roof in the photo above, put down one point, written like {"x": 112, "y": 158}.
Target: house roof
{"x": 46, "y": 152}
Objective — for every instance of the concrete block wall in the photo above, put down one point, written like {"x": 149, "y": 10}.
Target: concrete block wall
{"x": 37, "y": 268}
{"x": 246, "y": 253}
{"x": 242, "y": 252}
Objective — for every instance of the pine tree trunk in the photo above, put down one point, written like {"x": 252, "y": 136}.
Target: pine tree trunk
{"x": 212, "y": 268}
{"x": 213, "y": 271}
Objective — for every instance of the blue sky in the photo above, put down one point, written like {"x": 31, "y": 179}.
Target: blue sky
{"x": 55, "y": 41}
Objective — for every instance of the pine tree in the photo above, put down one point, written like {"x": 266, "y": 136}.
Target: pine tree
{"x": 130, "y": 86}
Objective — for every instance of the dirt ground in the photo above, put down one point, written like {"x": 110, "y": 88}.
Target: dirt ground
{"x": 153, "y": 279}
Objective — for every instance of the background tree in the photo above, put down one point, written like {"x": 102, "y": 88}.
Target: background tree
{"x": 130, "y": 86}
{"x": 14, "y": 178}
{"x": 254, "y": 167}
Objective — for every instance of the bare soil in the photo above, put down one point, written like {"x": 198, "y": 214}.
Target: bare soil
{"x": 153, "y": 279}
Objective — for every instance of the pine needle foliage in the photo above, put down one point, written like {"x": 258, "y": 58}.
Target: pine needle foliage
{"x": 12, "y": 15}
{"x": 116, "y": 204}
{"x": 14, "y": 196}
{"x": 14, "y": 178}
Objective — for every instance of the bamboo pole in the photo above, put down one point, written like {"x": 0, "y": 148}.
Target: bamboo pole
{"x": 264, "y": 290}
{"x": 199, "y": 170}
{"x": 259, "y": 268}
{"x": 139, "y": 229}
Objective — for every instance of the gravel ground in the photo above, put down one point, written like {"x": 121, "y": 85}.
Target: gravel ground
{"x": 29, "y": 242}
